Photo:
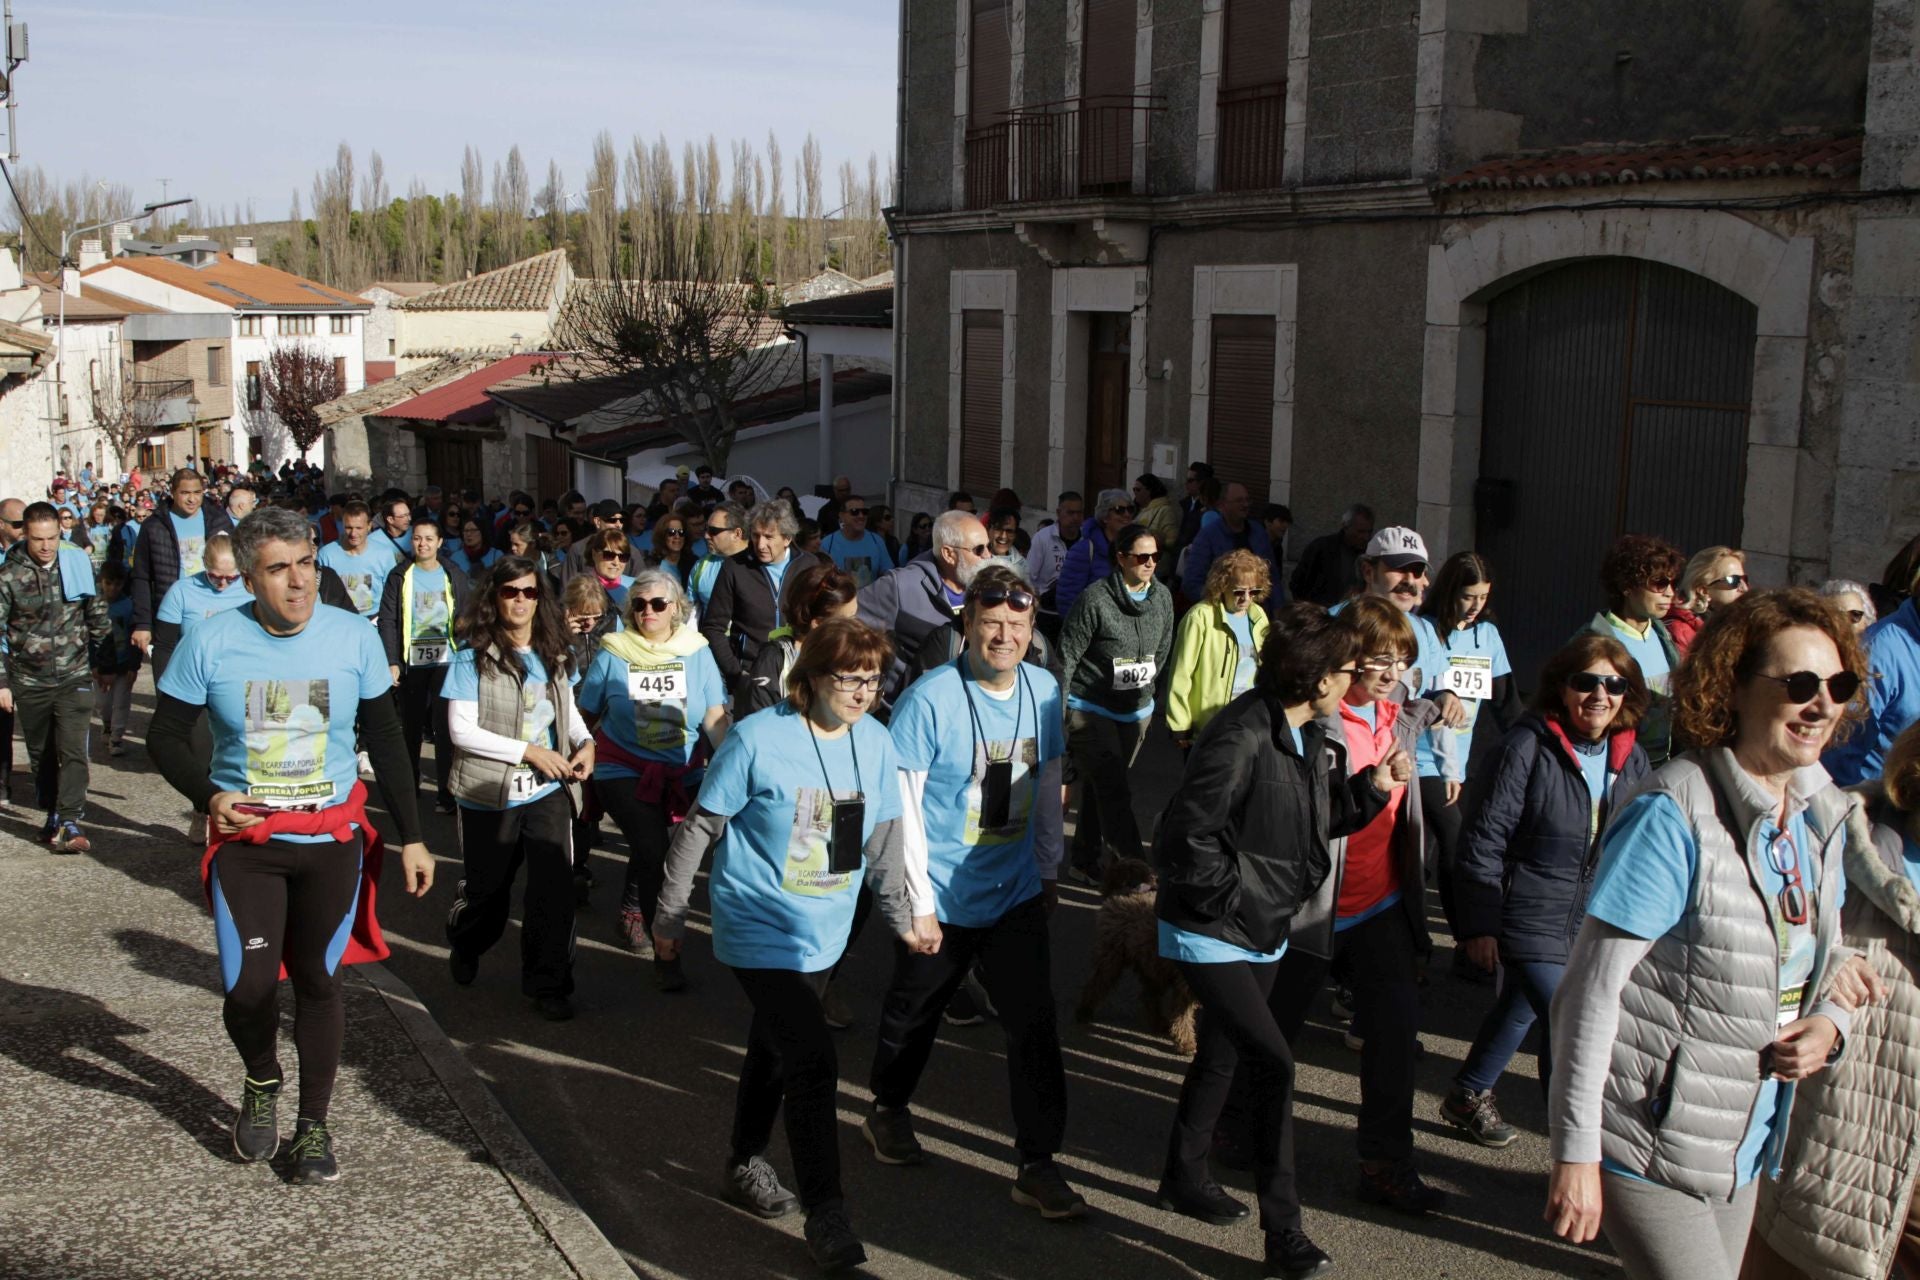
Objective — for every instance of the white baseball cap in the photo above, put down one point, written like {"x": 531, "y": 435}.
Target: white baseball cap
{"x": 1397, "y": 547}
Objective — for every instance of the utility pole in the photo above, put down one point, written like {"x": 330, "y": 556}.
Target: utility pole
{"x": 16, "y": 53}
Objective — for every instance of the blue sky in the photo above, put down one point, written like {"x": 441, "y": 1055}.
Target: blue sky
{"x": 237, "y": 101}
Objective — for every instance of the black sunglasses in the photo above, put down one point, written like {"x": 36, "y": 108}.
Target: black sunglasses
{"x": 854, "y": 511}
{"x": 1730, "y": 581}
{"x": 518, "y": 593}
{"x": 1588, "y": 681}
{"x": 652, "y": 604}
{"x": 1804, "y": 686}
{"x": 1019, "y": 599}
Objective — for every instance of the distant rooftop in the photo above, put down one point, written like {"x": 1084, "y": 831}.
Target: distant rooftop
{"x": 527, "y": 285}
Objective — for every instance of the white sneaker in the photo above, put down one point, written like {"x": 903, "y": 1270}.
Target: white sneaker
{"x": 366, "y": 768}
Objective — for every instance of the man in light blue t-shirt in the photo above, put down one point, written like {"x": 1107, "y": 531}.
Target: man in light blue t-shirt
{"x": 854, "y": 547}
{"x": 362, "y": 563}
{"x": 980, "y": 743}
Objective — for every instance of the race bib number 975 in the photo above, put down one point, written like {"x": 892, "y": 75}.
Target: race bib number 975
{"x": 1470, "y": 678}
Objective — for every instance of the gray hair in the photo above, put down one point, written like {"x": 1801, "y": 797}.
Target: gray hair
{"x": 268, "y": 524}
{"x": 220, "y": 544}
{"x": 734, "y": 514}
{"x": 1015, "y": 564}
{"x": 1844, "y": 586}
{"x": 658, "y": 582}
{"x": 1108, "y": 500}
{"x": 954, "y": 528}
{"x": 773, "y": 513}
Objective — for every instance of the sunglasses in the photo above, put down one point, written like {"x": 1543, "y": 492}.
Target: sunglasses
{"x": 718, "y": 528}
{"x": 1730, "y": 582}
{"x": 1784, "y": 857}
{"x": 673, "y": 533}
{"x": 1122, "y": 509}
{"x": 1395, "y": 665}
{"x": 1141, "y": 557}
{"x": 615, "y": 555}
{"x": 1588, "y": 681}
{"x": 518, "y": 593}
{"x": 853, "y": 511}
{"x": 1245, "y": 593}
{"x": 1804, "y": 686}
{"x": 651, "y": 604}
{"x": 1659, "y": 584}
{"x": 523, "y": 512}
{"x": 980, "y": 550}
{"x": 853, "y": 684}
{"x": 585, "y": 621}
{"x": 1019, "y": 599}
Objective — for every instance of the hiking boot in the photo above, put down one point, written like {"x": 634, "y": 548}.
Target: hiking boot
{"x": 1291, "y": 1256}
{"x": 50, "y": 828}
{"x": 1207, "y": 1202}
{"x": 464, "y": 968}
{"x": 631, "y": 932}
{"x": 1040, "y": 1185}
{"x": 755, "y": 1187}
{"x": 889, "y": 1132}
{"x": 830, "y": 1239}
{"x": 554, "y": 1008}
{"x": 834, "y": 1009}
{"x": 70, "y": 839}
{"x": 1398, "y": 1186}
{"x": 256, "y": 1130}
{"x": 669, "y": 976}
{"x": 313, "y": 1160}
{"x": 1478, "y": 1116}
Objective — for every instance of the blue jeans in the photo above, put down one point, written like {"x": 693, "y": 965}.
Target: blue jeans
{"x": 1526, "y": 991}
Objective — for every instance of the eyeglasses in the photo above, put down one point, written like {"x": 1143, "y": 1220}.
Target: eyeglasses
{"x": 1244, "y": 593}
{"x": 1784, "y": 857}
{"x": 1019, "y": 599}
{"x": 523, "y": 512}
{"x": 222, "y": 578}
{"x": 1345, "y": 671}
{"x": 1730, "y": 581}
{"x": 1415, "y": 570}
{"x": 615, "y": 555}
{"x": 1804, "y": 686}
{"x": 651, "y": 604}
{"x": 518, "y": 593}
{"x": 853, "y": 684}
{"x": 1588, "y": 681}
{"x": 1857, "y": 616}
{"x": 1395, "y": 665}
{"x": 1121, "y": 509}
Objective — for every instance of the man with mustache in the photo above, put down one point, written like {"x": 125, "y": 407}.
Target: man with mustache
{"x": 1395, "y": 567}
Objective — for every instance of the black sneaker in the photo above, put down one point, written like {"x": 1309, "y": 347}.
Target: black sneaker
{"x": 1208, "y": 1203}
{"x": 1398, "y": 1186}
{"x": 463, "y": 968}
{"x": 669, "y": 975}
{"x": 889, "y": 1132}
{"x": 1478, "y": 1116}
{"x": 582, "y": 888}
{"x": 963, "y": 1010}
{"x": 445, "y": 804}
{"x": 1040, "y": 1185}
{"x": 1291, "y": 1256}
{"x": 755, "y": 1187}
{"x": 554, "y": 1008}
{"x": 313, "y": 1160}
{"x": 50, "y": 828}
{"x": 830, "y": 1239}
{"x": 1342, "y": 1003}
{"x": 256, "y": 1130}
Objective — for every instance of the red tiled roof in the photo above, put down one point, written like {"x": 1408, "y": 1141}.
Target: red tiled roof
{"x": 465, "y": 400}
{"x": 243, "y": 286}
{"x": 1825, "y": 157}
{"x": 527, "y": 285}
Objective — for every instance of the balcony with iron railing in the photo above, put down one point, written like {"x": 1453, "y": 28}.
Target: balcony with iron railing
{"x": 171, "y": 402}
{"x": 1252, "y": 140}
{"x": 1070, "y": 150}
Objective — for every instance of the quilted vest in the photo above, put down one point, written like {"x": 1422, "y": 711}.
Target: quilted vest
{"x": 1699, "y": 1008}
{"x": 1848, "y": 1168}
{"x": 487, "y": 782}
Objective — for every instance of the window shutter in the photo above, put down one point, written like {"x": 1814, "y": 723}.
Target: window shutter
{"x": 990, "y": 64}
{"x": 1254, "y": 50}
{"x": 1108, "y": 49}
{"x": 980, "y": 388}
{"x": 1240, "y": 409}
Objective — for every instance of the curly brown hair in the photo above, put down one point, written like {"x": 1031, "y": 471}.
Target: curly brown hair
{"x": 1634, "y": 561}
{"x": 1229, "y": 568}
{"x": 1902, "y": 770}
{"x": 1734, "y": 643}
{"x": 1577, "y": 655}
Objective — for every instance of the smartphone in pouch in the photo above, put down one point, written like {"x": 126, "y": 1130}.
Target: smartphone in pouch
{"x": 996, "y": 795}
{"x": 848, "y": 848}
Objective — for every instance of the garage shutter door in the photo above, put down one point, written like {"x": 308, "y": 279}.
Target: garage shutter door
{"x": 1240, "y": 409}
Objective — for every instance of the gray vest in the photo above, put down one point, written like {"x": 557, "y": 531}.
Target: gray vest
{"x": 486, "y": 782}
{"x": 1698, "y": 1010}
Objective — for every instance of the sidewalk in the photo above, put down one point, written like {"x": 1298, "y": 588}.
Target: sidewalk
{"x": 118, "y": 1084}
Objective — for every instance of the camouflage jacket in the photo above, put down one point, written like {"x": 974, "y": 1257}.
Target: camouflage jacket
{"x": 46, "y": 636}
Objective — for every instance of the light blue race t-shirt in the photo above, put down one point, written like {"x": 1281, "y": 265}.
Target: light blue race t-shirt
{"x": 473, "y": 566}
{"x": 777, "y": 903}
{"x": 653, "y": 710}
{"x": 1241, "y": 624}
{"x": 282, "y": 708}
{"x": 1476, "y": 657}
{"x": 190, "y": 534}
{"x": 978, "y": 874}
{"x": 537, "y": 716}
{"x": 864, "y": 557}
{"x": 1648, "y": 652}
{"x": 364, "y": 575}
{"x": 777, "y": 577}
{"x": 431, "y": 620}
{"x": 1648, "y": 859}
{"x": 192, "y": 600}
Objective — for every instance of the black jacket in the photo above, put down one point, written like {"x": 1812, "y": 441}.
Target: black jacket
{"x": 1328, "y": 571}
{"x": 156, "y": 560}
{"x": 1527, "y": 856}
{"x": 389, "y": 615}
{"x": 1244, "y": 841}
{"x": 741, "y": 612}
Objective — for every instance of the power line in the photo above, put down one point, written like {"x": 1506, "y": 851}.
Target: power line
{"x": 26, "y": 221}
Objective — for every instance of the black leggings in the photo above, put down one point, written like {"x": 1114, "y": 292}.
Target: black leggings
{"x": 292, "y": 903}
{"x": 1443, "y": 827}
{"x": 645, "y": 828}
{"x": 420, "y": 705}
{"x": 790, "y": 1059}
{"x": 1239, "y": 1027}
{"x": 493, "y": 844}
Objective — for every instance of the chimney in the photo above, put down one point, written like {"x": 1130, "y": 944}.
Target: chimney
{"x": 91, "y": 254}
{"x": 122, "y": 232}
{"x": 243, "y": 250}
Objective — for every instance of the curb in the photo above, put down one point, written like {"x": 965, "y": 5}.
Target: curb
{"x": 589, "y": 1253}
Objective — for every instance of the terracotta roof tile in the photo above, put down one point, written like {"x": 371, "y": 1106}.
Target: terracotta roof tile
{"x": 376, "y": 398}
{"x": 402, "y": 288}
{"x": 243, "y": 286}
{"x": 465, "y": 399}
{"x": 90, "y": 304}
{"x": 1823, "y": 157}
{"x": 527, "y": 285}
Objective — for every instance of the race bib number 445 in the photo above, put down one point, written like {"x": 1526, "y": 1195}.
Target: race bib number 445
{"x": 657, "y": 684}
{"x": 1469, "y": 677}
{"x": 1131, "y": 677}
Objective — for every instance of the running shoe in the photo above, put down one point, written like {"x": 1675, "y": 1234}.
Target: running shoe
{"x": 1398, "y": 1185}
{"x": 256, "y": 1130}
{"x": 962, "y": 1011}
{"x": 1040, "y": 1185}
{"x": 50, "y": 828}
{"x": 463, "y": 968}
{"x": 197, "y": 830}
{"x": 313, "y": 1160}
{"x": 755, "y": 1187}
{"x": 670, "y": 976}
{"x": 1343, "y": 1003}
{"x": 1291, "y": 1256}
{"x": 830, "y": 1239}
{"x": 70, "y": 839}
{"x": 889, "y": 1132}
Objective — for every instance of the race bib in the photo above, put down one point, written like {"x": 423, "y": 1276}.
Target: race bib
{"x": 523, "y": 783}
{"x": 1131, "y": 677}
{"x": 657, "y": 684}
{"x": 1469, "y": 677}
{"x": 429, "y": 653}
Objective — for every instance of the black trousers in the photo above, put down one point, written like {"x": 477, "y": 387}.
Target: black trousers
{"x": 646, "y": 830}
{"x": 286, "y": 902}
{"x": 1239, "y": 1028}
{"x": 1016, "y": 966}
{"x": 791, "y": 1060}
{"x": 1380, "y": 960}
{"x": 1444, "y": 824}
{"x": 493, "y": 844}
{"x": 55, "y": 721}
{"x": 1103, "y": 753}
{"x": 421, "y": 707}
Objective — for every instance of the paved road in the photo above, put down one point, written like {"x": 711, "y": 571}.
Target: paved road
{"x": 631, "y": 1103}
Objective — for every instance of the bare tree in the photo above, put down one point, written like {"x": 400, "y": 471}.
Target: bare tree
{"x": 417, "y": 233}
{"x": 777, "y": 207}
{"x": 125, "y": 414}
{"x": 295, "y": 380}
{"x": 603, "y": 203}
{"x": 553, "y": 201}
{"x": 472, "y": 173}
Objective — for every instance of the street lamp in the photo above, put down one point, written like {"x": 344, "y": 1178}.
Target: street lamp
{"x": 193, "y": 427}
{"x": 60, "y": 326}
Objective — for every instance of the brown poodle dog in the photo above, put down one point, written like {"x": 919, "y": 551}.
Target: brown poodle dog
{"x": 1126, "y": 936}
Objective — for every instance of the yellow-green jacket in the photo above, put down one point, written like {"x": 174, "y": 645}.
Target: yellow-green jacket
{"x": 1205, "y": 655}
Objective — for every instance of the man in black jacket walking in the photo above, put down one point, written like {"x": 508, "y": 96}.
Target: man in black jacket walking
{"x": 173, "y": 544}
{"x": 745, "y": 604}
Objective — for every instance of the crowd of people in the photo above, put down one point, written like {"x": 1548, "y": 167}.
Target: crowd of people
{"x": 1646, "y": 850}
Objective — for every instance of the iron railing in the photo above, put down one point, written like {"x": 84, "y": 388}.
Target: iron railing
{"x": 1056, "y": 151}
{"x": 1253, "y": 128}
{"x": 162, "y": 388}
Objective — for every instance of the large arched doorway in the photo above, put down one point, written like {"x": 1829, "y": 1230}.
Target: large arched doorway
{"x": 1616, "y": 401}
